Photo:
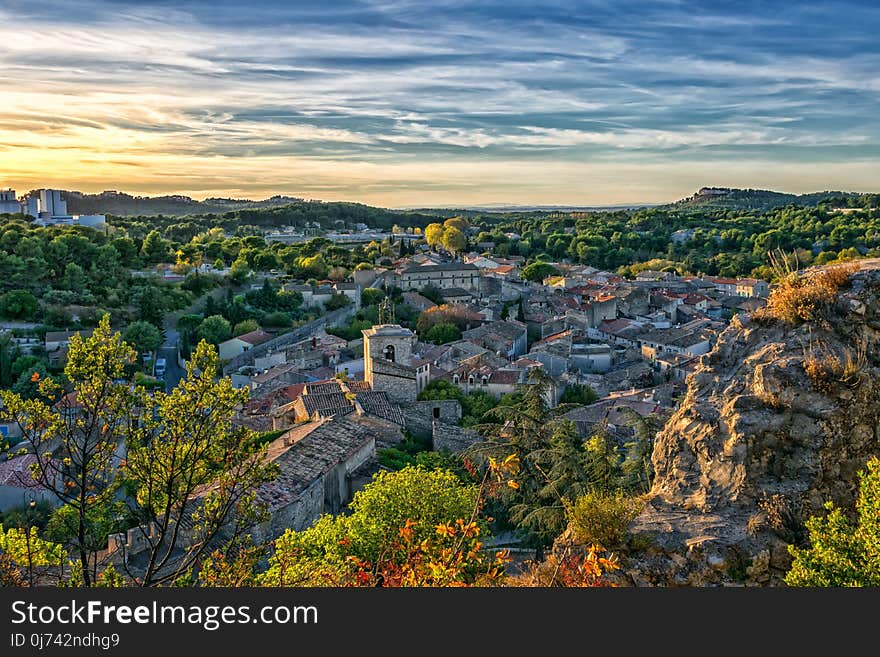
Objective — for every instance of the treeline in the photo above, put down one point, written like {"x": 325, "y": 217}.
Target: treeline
{"x": 301, "y": 215}
{"x": 715, "y": 242}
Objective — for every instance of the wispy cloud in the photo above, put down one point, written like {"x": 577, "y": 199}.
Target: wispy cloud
{"x": 378, "y": 99}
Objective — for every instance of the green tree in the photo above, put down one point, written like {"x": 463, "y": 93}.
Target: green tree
{"x": 413, "y": 498}
{"x": 442, "y": 333}
{"x": 459, "y": 223}
{"x": 155, "y": 249}
{"x": 214, "y": 329}
{"x": 336, "y": 301}
{"x": 27, "y": 385}
{"x": 578, "y": 393}
{"x": 143, "y": 336}
{"x": 26, "y": 549}
{"x": 538, "y": 271}
{"x": 843, "y": 552}
{"x": 18, "y": 304}
{"x": 75, "y": 278}
{"x": 195, "y": 469}
{"x": 149, "y": 303}
{"x": 75, "y": 439}
{"x": 245, "y": 326}
{"x": 239, "y": 271}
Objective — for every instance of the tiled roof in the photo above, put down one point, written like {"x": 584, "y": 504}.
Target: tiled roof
{"x": 382, "y": 366}
{"x": 254, "y": 337}
{"x": 326, "y": 404}
{"x": 317, "y": 448}
{"x": 506, "y": 377}
{"x": 378, "y": 404}
{"x": 446, "y": 266}
{"x": 15, "y": 472}
{"x": 323, "y": 387}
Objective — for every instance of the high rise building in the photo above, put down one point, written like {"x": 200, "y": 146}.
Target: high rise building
{"x": 8, "y": 202}
{"x": 52, "y": 203}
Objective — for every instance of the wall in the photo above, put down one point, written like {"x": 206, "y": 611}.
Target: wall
{"x": 306, "y": 331}
{"x": 16, "y": 496}
{"x": 420, "y": 415}
{"x": 399, "y": 389}
{"x": 300, "y": 514}
{"x": 452, "y": 438}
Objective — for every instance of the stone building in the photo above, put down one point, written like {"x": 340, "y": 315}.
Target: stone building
{"x": 446, "y": 275}
{"x": 389, "y": 364}
{"x": 317, "y": 463}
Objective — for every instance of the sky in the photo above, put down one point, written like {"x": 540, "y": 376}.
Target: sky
{"x": 408, "y": 103}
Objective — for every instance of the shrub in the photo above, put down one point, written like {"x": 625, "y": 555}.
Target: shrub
{"x": 806, "y": 298}
{"x": 603, "y": 518}
{"x": 277, "y": 319}
{"x": 826, "y": 369}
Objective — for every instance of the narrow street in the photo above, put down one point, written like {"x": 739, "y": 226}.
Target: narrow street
{"x": 173, "y": 371}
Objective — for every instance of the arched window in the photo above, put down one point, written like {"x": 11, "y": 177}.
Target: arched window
{"x": 471, "y": 380}
{"x": 455, "y": 379}
{"x": 485, "y": 381}
{"x": 389, "y": 353}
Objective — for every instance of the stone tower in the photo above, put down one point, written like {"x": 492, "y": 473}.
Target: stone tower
{"x": 389, "y": 364}
{"x": 389, "y": 342}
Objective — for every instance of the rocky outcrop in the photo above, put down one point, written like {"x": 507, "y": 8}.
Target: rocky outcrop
{"x": 776, "y": 421}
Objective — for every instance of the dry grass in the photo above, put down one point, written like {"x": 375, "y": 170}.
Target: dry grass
{"x": 827, "y": 368}
{"x": 806, "y": 298}
{"x": 783, "y": 515}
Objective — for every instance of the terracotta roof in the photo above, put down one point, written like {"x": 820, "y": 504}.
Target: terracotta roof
{"x": 254, "y": 337}
{"x": 16, "y": 472}
{"x": 506, "y": 377}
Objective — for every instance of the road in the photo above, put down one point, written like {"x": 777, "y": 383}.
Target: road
{"x": 174, "y": 372}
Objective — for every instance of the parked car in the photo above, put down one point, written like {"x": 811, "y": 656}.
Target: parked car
{"x": 160, "y": 368}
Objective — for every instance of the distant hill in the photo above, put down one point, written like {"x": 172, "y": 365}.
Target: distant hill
{"x": 726, "y": 198}
{"x": 122, "y": 204}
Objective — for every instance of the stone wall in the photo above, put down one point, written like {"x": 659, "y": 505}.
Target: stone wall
{"x": 306, "y": 331}
{"x": 453, "y": 438}
{"x": 420, "y": 415}
{"x": 400, "y": 389}
{"x": 300, "y": 514}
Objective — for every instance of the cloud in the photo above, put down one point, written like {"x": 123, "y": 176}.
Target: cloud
{"x": 272, "y": 88}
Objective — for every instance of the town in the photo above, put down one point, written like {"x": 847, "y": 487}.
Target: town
{"x": 395, "y": 357}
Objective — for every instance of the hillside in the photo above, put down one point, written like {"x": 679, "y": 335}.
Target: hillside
{"x": 725, "y": 198}
{"x": 277, "y": 211}
{"x": 776, "y": 421}
{"x": 122, "y": 204}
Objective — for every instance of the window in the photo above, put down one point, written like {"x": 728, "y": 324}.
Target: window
{"x": 485, "y": 381}
{"x": 389, "y": 353}
{"x": 455, "y": 379}
{"x": 436, "y": 412}
{"x": 470, "y": 380}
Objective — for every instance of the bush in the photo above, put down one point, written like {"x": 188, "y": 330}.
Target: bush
{"x": 277, "y": 319}
{"x": 578, "y": 393}
{"x": 443, "y": 333}
{"x": 806, "y": 298}
{"x": 603, "y": 518}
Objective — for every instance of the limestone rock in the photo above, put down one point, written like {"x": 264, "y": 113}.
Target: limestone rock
{"x": 757, "y": 445}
